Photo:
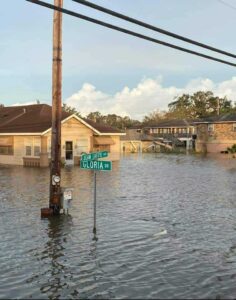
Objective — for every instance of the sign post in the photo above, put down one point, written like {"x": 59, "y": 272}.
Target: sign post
{"x": 90, "y": 162}
{"x": 95, "y": 207}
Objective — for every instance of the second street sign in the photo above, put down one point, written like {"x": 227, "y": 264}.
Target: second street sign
{"x": 96, "y": 165}
{"x": 94, "y": 155}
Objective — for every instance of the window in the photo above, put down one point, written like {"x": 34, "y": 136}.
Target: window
{"x": 36, "y": 150}
{"x": 210, "y": 127}
{"x": 234, "y": 126}
{"x": 28, "y": 150}
{"x": 32, "y": 146}
{"x": 6, "y": 145}
{"x": 6, "y": 150}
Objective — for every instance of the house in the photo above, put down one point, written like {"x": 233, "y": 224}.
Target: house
{"x": 174, "y": 132}
{"x": 216, "y": 134}
{"x": 25, "y": 136}
{"x": 131, "y": 142}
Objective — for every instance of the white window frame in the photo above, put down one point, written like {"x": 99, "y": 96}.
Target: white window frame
{"x": 210, "y": 127}
{"x": 32, "y": 143}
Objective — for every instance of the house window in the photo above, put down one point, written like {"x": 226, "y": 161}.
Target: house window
{"x": 6, "y": 150}
{"x": 234, "y": 126}
{"x": 32, "y": 146}
{"x": 36, "y": 150}
{"x": 6, "y": 145}
{"x": 28, "y": 150}
{"x": 210, "y": 127}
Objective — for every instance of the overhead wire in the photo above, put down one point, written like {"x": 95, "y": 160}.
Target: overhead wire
{"x": 227, "y": 4}
{"x": 129, "y": 32}
{"x": 154, "y": 28}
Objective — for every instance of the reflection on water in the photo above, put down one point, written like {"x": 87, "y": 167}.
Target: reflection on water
{"x": 166, "y": 227}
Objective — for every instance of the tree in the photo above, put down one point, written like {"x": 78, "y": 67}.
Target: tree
{"x": 95, "y": 116}
{"x": 199, "y": 105}
{"x": 154, "y": 117}
{"x": 70, "y": 109}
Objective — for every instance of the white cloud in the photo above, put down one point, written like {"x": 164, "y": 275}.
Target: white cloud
{"x": 24, "y": 103}
{"x": 147, "y": 96}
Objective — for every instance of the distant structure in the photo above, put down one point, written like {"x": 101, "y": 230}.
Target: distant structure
{"x": 165, "y": 135}
{"x": 216, "y": 134}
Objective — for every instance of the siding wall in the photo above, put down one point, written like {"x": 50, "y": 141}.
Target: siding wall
{"x": 19, "y": 151}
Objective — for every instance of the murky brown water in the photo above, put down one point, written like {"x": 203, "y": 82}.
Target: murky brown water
{"x": 166, "y": 228}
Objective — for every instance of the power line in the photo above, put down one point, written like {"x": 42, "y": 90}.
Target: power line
{"x": 154, "y": 28}
{"x": 129, "y": 32}
{"x": 227, "y": 4}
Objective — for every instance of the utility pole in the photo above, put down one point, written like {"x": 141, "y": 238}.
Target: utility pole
{"x": 55, "y": 174}
{"x": 218, "y": 106}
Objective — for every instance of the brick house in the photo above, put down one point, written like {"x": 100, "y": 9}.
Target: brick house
{"x": 216, "y": 134}
{"x": 25, "y": 136}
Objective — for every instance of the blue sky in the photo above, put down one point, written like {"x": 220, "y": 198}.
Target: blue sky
{"x": 103, "y": 63}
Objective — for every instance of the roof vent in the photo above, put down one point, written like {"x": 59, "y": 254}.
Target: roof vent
{"x": 24, "y": 110}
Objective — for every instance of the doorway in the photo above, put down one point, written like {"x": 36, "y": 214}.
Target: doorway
{"x": 69, "y": 159}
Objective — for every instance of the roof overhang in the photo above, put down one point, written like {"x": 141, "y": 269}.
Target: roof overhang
{"x": 215, "y": 122}
{"x": 22, "y": 133}
{"x": 86, "y": 124}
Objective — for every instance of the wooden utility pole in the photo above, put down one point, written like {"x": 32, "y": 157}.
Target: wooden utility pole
{"x": 218, "y": 106}
{"x": 55, "y": 175}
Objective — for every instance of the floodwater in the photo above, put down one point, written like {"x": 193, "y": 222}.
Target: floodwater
{"x": 166, "y": 229}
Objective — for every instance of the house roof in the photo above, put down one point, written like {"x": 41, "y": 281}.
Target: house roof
{"x": 226, "y": 118}
{"x": 173, "y": 123}
{"x": 37, "y": 118}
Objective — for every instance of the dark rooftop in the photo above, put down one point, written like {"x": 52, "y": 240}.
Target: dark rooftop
{"x": 36, "y": 118}
{"x": 230, "y": 117}
{"x": 173, "y": 123}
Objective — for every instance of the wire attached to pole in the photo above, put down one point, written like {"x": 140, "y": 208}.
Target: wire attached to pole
{"x": 129, "y": 32}
{"x": 154, "y": 28}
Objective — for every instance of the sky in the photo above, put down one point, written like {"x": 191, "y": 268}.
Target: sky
{"x": 109, "y": 71}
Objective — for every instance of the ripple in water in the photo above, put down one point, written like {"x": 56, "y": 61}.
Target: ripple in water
{"x": 166, "y": 228}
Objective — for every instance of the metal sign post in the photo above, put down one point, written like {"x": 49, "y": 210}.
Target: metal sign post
{"x": 90, "y": 162}
{"x": 95, "y": 208}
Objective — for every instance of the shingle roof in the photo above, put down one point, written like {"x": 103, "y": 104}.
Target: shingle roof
{"x": 173, "y": 123}
{"x": 103, "y": 128}
{"x": 36, "y": 118}
{"x": 230, "y": 117}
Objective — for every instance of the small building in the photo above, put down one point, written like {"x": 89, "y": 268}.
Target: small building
{"x": 216, "y": 134}
{"x": 174, "y": 132}
{"x": 25, "y": 136}
{"x": 132, "y": 142}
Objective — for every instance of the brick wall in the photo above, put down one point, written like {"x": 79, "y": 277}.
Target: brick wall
{"x": 218, "y": 140}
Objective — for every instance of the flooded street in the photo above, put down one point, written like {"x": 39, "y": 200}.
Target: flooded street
{"x": 166, "y": 227}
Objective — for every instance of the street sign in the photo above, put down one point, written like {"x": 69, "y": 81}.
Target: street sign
{"x": 94, "y": 155}
{"x": 96, "y": 165}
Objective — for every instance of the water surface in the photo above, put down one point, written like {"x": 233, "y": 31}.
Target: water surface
{"x": 166, "y": 229}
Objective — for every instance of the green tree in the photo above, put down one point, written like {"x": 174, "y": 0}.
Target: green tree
{"x": 95, "y": 116}
{"x": 70, "y": 109}
{"x": 154, "y": 117}
{"x": 199, "y": 105}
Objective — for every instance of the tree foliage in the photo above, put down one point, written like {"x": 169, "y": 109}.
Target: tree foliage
{"x": 199, "y": 105}
{"x": 70, "y": 109}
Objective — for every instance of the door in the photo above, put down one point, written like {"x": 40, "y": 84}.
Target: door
{"x": 69, "y": 153}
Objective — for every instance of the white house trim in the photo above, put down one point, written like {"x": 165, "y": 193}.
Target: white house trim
{"x": 21, "y": 133}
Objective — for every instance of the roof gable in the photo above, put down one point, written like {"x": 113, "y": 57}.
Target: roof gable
{"x": 37, "y": 119}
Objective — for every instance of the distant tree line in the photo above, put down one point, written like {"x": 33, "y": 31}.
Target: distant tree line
{"x": 196, "y": 106}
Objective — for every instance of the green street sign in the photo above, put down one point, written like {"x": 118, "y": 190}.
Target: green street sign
{"x": 94, "y": 155}
{"x": 96, "y": 165}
